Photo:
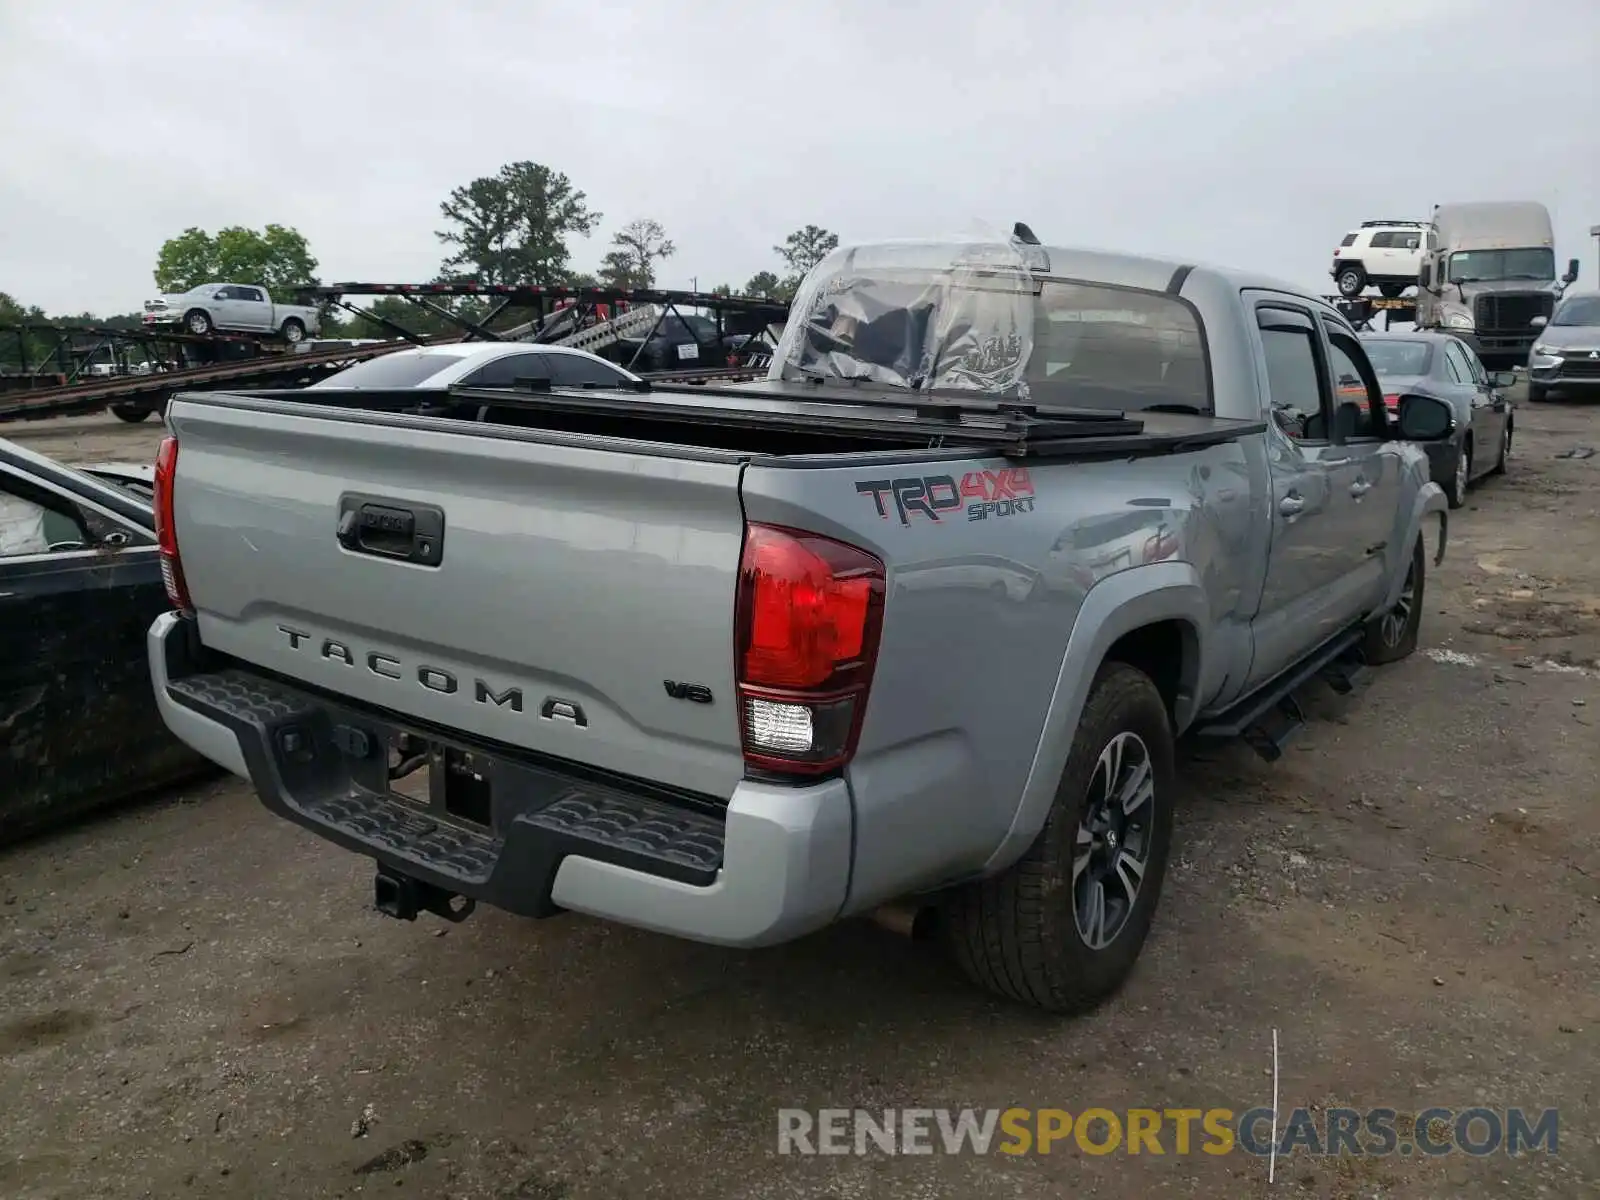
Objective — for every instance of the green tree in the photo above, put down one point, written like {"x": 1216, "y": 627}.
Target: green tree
{"x": 512, "y": 227}
{"x": 722, "y": 289}
{"x": 636, "y": 248}
{"x": 802, "y": 250}
{"x": 582, "y": 279}
{"x": 276, "y": 257}
{"x": 763, "y": 283}
{"x": 617, "y": 270}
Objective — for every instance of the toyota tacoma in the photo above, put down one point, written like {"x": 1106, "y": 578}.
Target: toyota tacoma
{"x": 913, "y": 622}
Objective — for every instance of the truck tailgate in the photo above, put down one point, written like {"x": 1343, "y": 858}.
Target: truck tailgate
{"x": 570, "y": 588}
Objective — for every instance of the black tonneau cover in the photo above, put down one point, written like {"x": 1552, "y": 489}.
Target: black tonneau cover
{"x": 892, "y": 417}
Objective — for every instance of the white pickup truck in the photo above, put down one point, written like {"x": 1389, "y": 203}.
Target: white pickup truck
{"x": 235, "y": 307}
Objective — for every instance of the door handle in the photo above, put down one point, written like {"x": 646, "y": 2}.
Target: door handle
{"x": 1291, "y": 506}
{"x": 1360, "y": 488}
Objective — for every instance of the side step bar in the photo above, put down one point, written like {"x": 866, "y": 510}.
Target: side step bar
{"x": 1268, "y": 718}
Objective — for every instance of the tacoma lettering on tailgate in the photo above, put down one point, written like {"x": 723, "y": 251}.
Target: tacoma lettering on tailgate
{"x": 387, "y": 666}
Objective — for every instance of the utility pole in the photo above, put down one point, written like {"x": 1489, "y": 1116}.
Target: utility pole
{"x": 1594, "y": 232}
{"x": 694, "y": 280}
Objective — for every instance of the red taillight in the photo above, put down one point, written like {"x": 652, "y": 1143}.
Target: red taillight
{"x": 810, "y": 610}
{"x": 1392, "y": 403}
{"x": 166, "y": 529}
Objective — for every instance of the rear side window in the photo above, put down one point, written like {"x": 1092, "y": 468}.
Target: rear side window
{"x": 401, "y": 369}
{"x": 570, "y": 370}
{"x": 506, "y": 372}
{"x": 1116, "y": 348}
{"x": 1349, "y": 240}
{"x": 1382, "y": 241}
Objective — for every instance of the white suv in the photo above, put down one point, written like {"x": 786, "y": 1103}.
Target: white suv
{"x": 1385, "y": 254}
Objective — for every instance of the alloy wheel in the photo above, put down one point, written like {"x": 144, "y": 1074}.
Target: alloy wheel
{"x": 1393, "y": 626}
{"x": 1114, "y": 840}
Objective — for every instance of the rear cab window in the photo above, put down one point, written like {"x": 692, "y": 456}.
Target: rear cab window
{"x": 1098, "y": 346}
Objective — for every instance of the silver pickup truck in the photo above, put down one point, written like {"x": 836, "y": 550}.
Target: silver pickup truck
{"x": 233, "y": 308}
{"x": 915, "y": 620}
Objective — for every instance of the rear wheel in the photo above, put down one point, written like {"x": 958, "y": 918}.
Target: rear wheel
{"x": 1352, "y": 281}
{"x": 294, "y": 330}
{"x": 131, "y": 413}
{"x": 1505, "y": 450}
{"x": 1455, "y": 491}
{"x": 1063, "y": 926}
{"x": 1391, "y": 291}
{"x": 1392, "y": 634}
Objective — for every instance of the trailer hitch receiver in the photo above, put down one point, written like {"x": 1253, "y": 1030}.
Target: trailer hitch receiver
{"x": 402, "y": 897}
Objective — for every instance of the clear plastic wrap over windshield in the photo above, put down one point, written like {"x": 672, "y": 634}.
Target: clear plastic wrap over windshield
{"x": 918, "y": 315}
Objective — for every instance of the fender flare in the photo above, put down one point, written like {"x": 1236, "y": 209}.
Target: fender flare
{"x": 1430, "y": 502}
{"x": 1114, "y": 606}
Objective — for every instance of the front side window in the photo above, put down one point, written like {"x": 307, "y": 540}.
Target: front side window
{"x": 1358, "y": 399}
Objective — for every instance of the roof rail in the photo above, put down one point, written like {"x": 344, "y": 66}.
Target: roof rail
{"x": 1403, "y": 224}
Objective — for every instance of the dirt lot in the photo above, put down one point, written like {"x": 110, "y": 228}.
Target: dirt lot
{"x": 197, "y": 1000}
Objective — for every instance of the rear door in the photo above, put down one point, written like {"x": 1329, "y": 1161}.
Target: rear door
{"x": 1489, "y": 408}
{"x": 526, "y": 590}
{"x": 79, "y": 586}
{"x": 255, "y": 308}
{"x": 1365, "y": 472}
{"x": 1383, "y": 254}
{"x": 1301, "y": 604}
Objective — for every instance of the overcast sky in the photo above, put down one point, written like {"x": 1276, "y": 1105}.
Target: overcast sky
{"x": 1244, "y": 133}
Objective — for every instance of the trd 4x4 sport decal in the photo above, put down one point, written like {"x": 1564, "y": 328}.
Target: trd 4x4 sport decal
{"x": 983, "y": 494}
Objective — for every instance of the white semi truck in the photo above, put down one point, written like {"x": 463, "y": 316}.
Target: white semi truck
{"x": 1487, "y": 271}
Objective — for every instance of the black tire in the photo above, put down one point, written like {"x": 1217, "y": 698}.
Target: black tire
{"x": 1537, "y": 393}
{"x": 1391, "y": 291}
{"x": 197, "y": 321}
{"x": 294, "y": 330}
{"x": 131, "y": 413}
{"x": 1351, "y": 280}
{"x": 1392, "y": 635}
{"x": 1455, "y": 487}
{"x": 1504, "y": 457}
{"x": 1017, "y": 934}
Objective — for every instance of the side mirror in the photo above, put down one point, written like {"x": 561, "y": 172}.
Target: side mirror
{"x": 1572, "y": 271}
{"x": 1539, "y": 322}
{"x": 1504, "y": 379}
{"x": 1425, "y": 418}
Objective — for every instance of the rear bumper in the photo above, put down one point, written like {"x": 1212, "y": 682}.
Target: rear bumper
{"x": 772, "y": 865}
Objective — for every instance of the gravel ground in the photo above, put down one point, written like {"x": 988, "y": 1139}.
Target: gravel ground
{"x": 196, "y": 999}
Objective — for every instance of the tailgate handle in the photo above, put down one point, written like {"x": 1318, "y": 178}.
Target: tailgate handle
{"x": 393, "y": 529}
